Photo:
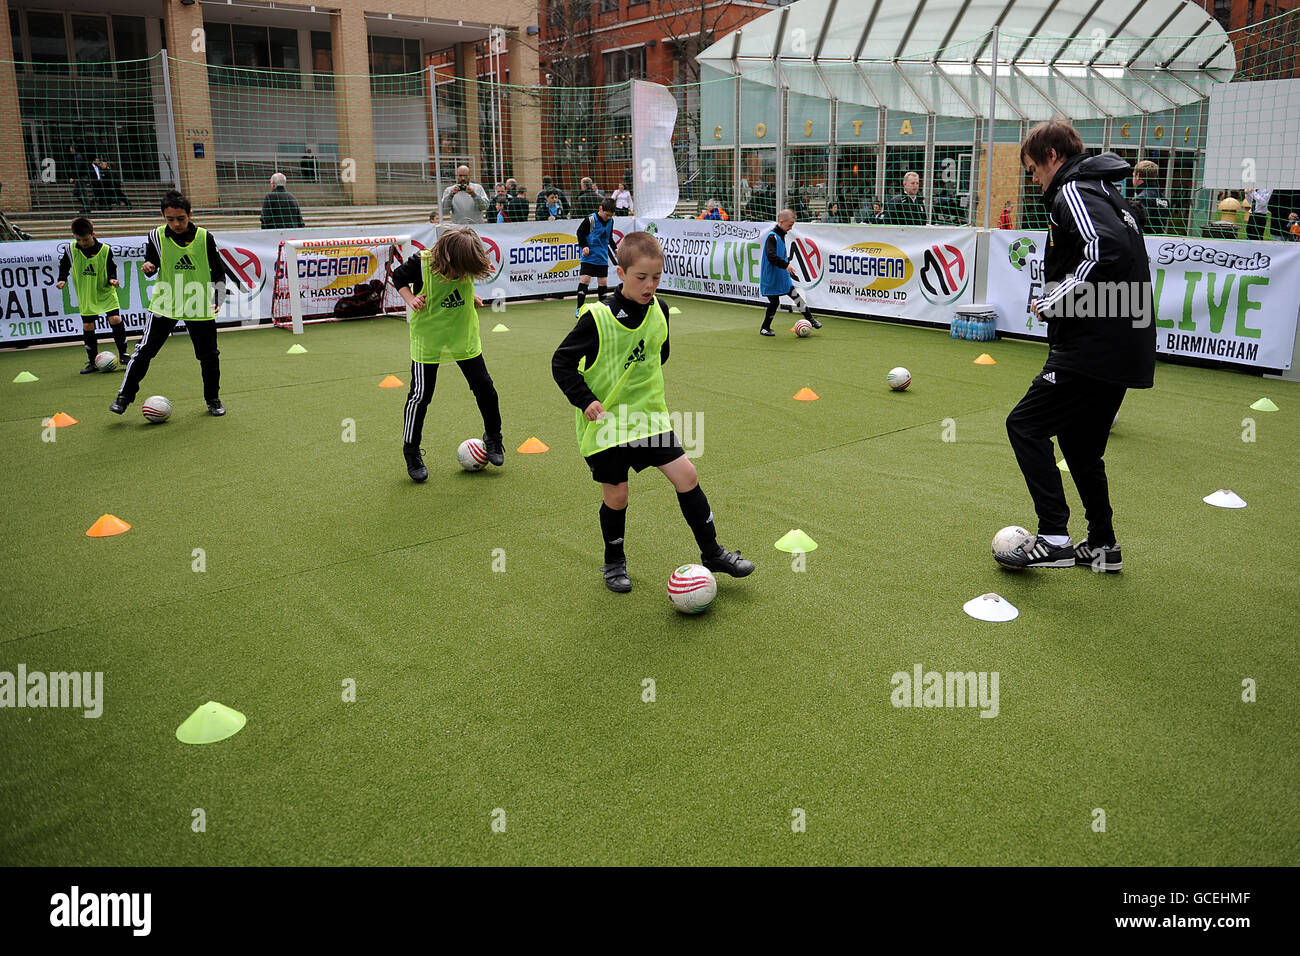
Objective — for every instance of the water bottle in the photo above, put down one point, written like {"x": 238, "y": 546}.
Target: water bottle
{"x": 952, "y": 327}
{"x": 965, "y": 327}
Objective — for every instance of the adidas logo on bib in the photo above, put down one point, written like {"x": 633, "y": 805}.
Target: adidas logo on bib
{"x": 638, "y": 354}
{"x": 89, "y": 270}
{"x": 453, "y": 301}
{"x": 185, "y": 262}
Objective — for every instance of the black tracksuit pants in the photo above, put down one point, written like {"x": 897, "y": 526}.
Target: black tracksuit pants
{"x": 425, "y": 376}
{"x": 1079, "y": 411}
{"x": 203, "y": 336}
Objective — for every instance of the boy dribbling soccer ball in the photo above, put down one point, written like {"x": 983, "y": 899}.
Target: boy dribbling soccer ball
{"x": 610, "y": 368}
{"x": 90, "y": 266}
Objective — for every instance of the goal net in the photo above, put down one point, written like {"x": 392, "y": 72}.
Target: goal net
{"x": 325, "y": 280}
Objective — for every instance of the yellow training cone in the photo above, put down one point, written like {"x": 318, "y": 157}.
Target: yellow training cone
{"x": 391, "y": 381}
{"x": 534, "y": 446}
{"x": 985, "y": 359}
{"x": 806, "y": 394}
{"x": 210, "y": 723}
{"x": 107, "y": 526}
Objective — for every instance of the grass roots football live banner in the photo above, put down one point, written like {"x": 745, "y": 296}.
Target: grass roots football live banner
{"x": 916, "y": 274}
{"x": 1223, "y": 301}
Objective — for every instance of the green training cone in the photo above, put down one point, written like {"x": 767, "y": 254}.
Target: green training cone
{"x": 210, "y": 723}
{"x": 1263, "y": 405}
{"x": 295, "y": 350}
{"x": 673, "y": 310}
{"x": 25, "y": 377}
{"x": 796, "y": 540}
{"x": 499, "y": 327}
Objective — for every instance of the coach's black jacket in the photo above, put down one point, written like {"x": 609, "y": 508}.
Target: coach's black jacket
{"x": 1094, "y": 258}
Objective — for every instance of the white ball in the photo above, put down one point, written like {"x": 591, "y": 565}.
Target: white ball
{"x": 899, "y": 378}
{"x": 1009, "y": 538}
{"x": 105, "y": 361}
{"x": 692, "y": 588}
{"x": 803, "y": 328}
{"x": 156, "y": 408}
{"x": 471, "y": 454}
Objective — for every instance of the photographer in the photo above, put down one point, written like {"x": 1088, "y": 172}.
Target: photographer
{"x": 463, "y": 202}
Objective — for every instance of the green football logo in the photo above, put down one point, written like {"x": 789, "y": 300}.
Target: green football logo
{"x": 1020, "y": 252}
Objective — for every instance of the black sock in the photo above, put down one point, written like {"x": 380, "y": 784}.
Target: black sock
{"x": 92, "y": 343}
{"x": 582, "y": 293}
{"x": 600, "y": 293}
{"x": 612, "y": 525}
{"x": 770, "y": 313}
{"x": 119, "y": 337}
{"x": 695, "y": 508}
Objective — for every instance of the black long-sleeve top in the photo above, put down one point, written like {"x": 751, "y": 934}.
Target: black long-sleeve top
{"x": 769, "y": 249}
{"x": 216, "y": 264}
{"x": 65, "y": 262}
{"x": 584, "y": 342}
{"x": 409, "y": 273}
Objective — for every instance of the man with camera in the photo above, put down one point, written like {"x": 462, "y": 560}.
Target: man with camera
{"x": 463, "y": 202}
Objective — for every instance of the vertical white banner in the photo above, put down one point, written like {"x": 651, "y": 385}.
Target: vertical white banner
{"x": 654, "y": 173}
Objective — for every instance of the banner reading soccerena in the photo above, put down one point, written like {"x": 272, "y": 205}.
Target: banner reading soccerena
{"x": 1220, "y": 300}
{"x": 915, "y": 274}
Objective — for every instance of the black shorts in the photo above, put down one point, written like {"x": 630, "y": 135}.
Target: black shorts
{"x": 102, "y": 315}
{"x": 591, "y": 269}
{"x": 611, "y": 465}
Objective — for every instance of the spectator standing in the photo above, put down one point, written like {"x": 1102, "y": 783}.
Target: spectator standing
{"x": 463, "y": 202}
{"x": 1004, "y": 220}
{"x": 587, "y": 201}
{"x": 1149, "y": 204}
{"x": 1258, "y": 200}
{"x": 548, "y": 186}
{"x": 908, "y": 207}
{"x": 713, "y": 211}
{"x": 622, "y": 200}
{"x": 280, "y": 207}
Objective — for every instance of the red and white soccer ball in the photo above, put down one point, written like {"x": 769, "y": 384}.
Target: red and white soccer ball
{"x": 471, "y": 454}
{"x": 899, "y": 378}
{"x": 156, "y": 409}
{"x": 803, "y": 328}
{"x": 106, "y": 361}
{"x": 692, "y": 588}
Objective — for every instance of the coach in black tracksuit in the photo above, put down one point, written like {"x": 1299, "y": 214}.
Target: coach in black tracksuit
{"x": 1101, "y": 341}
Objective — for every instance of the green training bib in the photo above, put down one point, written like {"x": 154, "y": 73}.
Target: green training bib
{"x": 446, "y": 329}
{"x": 90, "y": 278}
{"x": 628, "y": 379}
{"x": 183, "y": 286}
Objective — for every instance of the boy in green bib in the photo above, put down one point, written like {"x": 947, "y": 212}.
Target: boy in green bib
{"x": 610, "y": 368}
{"x": 190, "y": 286}
{"x": 90, "y": 266}
{"x": 438, "y": 287}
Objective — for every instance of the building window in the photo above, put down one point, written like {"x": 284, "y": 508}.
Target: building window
{"x": 623, "y": 65}
{"x": 251, "y": 48}
{"x": 395, "y": 65}
{"x": 284, "y": 49}
{"x": 1223, "y": 12}
{"x": 16, "y": 36}
{"x": 49, "y": 41}
{"x": 129, "y": 41}
{"x": 90, "y": 45}
{"x": 609, "y": 6}
{"x": 322, "y": 60}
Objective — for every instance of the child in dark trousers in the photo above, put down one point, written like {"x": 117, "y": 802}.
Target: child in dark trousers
{"x": 610, "y": 368}
{"x": 93, "y": 272}
{"x": 776, "y": 270}
{"x": 438, "y": 286}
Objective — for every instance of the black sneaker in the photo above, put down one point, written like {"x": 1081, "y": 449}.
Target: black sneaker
{"x": 1037, "y": 553}
{"x": 815, "y": 323}
{"x": 415, "y": 463}
{"x": 1106, "y": 558}
{"x": 216, "y": 408}
{"x": 119, "y": 405}
{"x": 616, "y": 578}
{"x": 766, "y": 331}
{"x": 728, "y": 563}
{"x": 496, "y": 454}
{"x": 90, "y": 367}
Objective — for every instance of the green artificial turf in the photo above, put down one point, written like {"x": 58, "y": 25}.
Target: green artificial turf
{"x": 522, "y": 690}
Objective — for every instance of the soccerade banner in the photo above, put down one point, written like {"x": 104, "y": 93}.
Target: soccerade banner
{"x": 1226, "y": 301}
{"x": 915, "y": 274}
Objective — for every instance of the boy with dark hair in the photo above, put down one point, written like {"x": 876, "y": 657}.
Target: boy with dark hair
{"x": 1101, "y": 341}
{"x": 612, "y": 364}
{"x": 596, "y": 237}
{"x": 191, "y": 286}
{"x": 93, "y": 271}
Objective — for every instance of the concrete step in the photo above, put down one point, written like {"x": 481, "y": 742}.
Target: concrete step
{"x": 57, "y": 224}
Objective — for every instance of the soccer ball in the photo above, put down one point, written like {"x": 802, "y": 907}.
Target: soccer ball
{"x": 106, "y": 361}
{"x": 1008, "y": 539}
{"x": 899, "y": 378}
{"x": 471, "y": 454}
{"x": 692, "y": 588}
{"x": 156, "y": 409}
{"x": 1020, "y": 252}
{"x": 803, "y": 328}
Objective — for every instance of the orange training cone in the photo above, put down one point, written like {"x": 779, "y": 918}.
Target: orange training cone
{"x": 107, "y": 526}
{"x": 806, "y": 394}
{"x": 62, "y": 420}
{"x": 391, "y": 381}
{"x": 534, "y": 446}
{"x": 985, "y": 359}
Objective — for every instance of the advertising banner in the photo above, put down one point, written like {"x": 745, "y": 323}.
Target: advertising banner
{"x": 1221, "y": 300}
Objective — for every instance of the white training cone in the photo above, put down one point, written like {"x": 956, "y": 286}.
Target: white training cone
{"x": 991, "y": 607}
{"x": 1224, "y": 499}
